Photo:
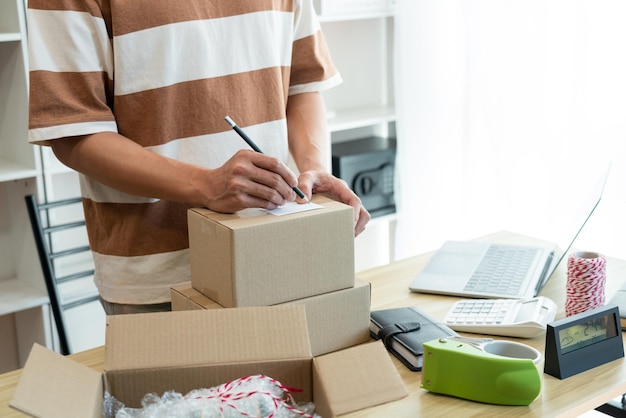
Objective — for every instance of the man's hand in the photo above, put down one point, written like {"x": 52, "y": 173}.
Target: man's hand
{"x": 317, "y": 181}
{"x": 249, "y": 179}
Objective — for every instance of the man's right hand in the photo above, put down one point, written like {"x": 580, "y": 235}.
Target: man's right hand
{"x": 249, "y": 179}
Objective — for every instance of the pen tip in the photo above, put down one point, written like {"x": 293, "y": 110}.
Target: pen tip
{"x": 230, "y": 121}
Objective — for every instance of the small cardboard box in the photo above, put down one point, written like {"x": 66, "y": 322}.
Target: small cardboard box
{"x": 187, "y": 350}
{"x": 253, "y": 258}
{"x": 336, "y": 320}
{"x": 186, "y": 298}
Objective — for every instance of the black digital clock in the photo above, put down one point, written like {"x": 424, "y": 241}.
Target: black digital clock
{"x": 583, "y": 341}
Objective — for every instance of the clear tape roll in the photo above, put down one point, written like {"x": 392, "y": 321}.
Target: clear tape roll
{"x": 586, "y": 278}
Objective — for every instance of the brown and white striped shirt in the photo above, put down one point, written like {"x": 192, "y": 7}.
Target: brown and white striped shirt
{"x": 164, "y": 73}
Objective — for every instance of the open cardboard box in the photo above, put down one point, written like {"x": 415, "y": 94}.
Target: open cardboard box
{"x": 188, "y": 350}
{"x": 253, "y": 258}
{"x": 336, "y": 320}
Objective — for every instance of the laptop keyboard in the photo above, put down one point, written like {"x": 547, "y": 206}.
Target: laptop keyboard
{"x": 502, "y": 270}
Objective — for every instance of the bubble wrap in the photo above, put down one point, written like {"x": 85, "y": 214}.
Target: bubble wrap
{"x": 251, "y": 396}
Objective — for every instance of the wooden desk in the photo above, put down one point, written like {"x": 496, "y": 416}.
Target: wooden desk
{"x": 569, "y": 397}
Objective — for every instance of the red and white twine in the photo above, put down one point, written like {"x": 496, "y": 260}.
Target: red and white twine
{"x": 586, "y": 276}
{"x": 230, "y": 393}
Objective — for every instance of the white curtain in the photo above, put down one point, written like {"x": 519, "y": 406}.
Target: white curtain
{"x": 508, "y": 110}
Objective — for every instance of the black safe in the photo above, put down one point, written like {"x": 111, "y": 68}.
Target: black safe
{"x": 368, "y": 165}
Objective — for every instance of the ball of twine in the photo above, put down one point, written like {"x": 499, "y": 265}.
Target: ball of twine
{"x": 586, "y": 277}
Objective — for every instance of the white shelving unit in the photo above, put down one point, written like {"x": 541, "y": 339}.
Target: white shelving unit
{"x": 24, "y": 313}
{"x": 25, "y": 316}
{"x": 359, "y": 34}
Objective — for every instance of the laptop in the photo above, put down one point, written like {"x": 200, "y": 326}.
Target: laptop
{"x": 476, "y": 269}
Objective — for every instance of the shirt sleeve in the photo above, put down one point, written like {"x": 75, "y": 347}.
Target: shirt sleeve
{"x": 312, "y": 68}
{"x": 71, "y": 70}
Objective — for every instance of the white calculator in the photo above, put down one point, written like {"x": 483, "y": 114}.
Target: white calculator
{"x": 524, "y": 318}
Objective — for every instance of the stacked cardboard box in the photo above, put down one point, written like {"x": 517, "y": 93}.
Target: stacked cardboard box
{"x": 335, "y": 320}
{"x": 254, "y": 258}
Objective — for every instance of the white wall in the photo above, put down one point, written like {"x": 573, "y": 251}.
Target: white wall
{"x": 506, "y": 108}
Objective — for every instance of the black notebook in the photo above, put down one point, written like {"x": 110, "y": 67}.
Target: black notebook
{"x": 404, "y": 330}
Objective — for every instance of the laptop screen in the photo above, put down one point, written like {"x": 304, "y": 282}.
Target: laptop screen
{"x": 579, "y": 220}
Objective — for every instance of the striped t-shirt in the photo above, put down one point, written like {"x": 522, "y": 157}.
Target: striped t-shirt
{"x": 165, "y": 73}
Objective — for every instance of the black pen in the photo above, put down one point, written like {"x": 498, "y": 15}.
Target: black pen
{"x": 254, "y": 146}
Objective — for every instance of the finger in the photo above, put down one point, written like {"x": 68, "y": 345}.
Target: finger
{"x": 274, "y": 165}
{"x": 261, "y": 176}
{"x": 274, "y": 174}
{"x": 363, "y": 218}
{"x": 305, "y": 184}
{"x": 270, "y": 191}
{"x": 243, "y": 193}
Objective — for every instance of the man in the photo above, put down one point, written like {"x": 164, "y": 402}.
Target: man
{"x": 133, "y": 96}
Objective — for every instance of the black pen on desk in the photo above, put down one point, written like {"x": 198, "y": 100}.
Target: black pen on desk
{"x": 255, "y": 147}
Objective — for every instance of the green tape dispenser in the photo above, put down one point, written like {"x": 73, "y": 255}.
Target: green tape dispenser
{"x": 483, "y": 370}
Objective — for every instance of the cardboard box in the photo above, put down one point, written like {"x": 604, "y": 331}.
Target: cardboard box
{"x": 253, "y": 258}
{"x": 186, "y": 298}
{"x": 335, "y": 320}
{"x": 187, "y": 350}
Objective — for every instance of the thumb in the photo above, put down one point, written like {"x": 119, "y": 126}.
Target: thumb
{"x": 305, "y": 183}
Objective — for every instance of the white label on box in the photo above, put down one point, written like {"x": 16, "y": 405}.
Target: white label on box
{"x": 293, "y": 207}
